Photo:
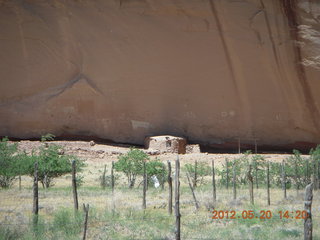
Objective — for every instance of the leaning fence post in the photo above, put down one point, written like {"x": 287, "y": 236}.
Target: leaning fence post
{"x": 35, "y": 210}
{"x": 307, "y": 207}
{"x": 196, "y": 204}
{"x": 234, "y": 187}
{"x": 177, "y": 198}
{"x": 144, "y": 204}
{"x": 268, "y": 183}
{"x": 74, "y": 186}
{"x": 170, "y": 188}
{"x": 195, "y": 174}
{"x": 214, "y": 191}
{"x": 284, "y": 184}
{"x": 250, "y": 178}
{"x": 85, "y": 225}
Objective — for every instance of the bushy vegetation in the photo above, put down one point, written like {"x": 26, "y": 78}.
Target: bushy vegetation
{"x": 298, "y": 170}
{"x": 158, "y": 169}
{"x": 197, "y": 172}
{"x": 119, "y": 217}
{"x": 11, "y": 162}
{"x": 131, "y": 164}
{"x": 51, "y": 159}
{"x": 240, "y": 167}
{"x": 52, "y": 163}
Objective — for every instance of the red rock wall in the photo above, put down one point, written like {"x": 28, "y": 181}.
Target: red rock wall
{"x": 209, "y": 70}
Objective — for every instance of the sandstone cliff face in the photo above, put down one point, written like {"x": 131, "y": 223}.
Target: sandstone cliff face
{"x": 209, "y": 70}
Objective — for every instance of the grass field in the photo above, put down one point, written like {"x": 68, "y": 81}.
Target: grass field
{"x": 120, "y": 216}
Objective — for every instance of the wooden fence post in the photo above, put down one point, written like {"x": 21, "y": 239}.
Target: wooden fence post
{"x": 177, "y": 198}
{"x": 314, "y": 174}
{"x": 74, "y": 186}
{"x": 195, "y": 174}
{"x": 196, "y": 204}
{"x": 284, "y": 184}
{"x": 234, "y": 187}
{"x": 85, "y": 225}
{"x": 307, "y": 207}
{"x": 239, "y": 146}
{"x": 112, "y": 177}
{"x": 296, "y": 175}
{"x": 19, "y": 182}
{"x": 144, "y": 204}
{"x": 227, "y": 172}
{"x": 308, "y": 172}
{"x": 170, "y": 188}
{"x": 268, "y": 183}
{"x": 256, "y": 175}
{"x": 35, "y": 210}
{"x": 103, "y": 180}
{"x": 163, "y": 177}
{"x": 250, "y": 179}
{"x": 214, "y": 190}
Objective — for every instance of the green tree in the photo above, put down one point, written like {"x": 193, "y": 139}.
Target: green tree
{"x": 52, "y": 163}
{"x": 241, "y": 165}
{"x": 8, "y": 163}
{"x": 259, "y": 166}
{"x": 156, "y": 168}
{"x": 197, "y": 172}
{"x": 131, "y": 164}
{"x": 315, "y": 157}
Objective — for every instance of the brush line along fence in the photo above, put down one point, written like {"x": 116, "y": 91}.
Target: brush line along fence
{"x": 236, "y": 179}
{"x": 246, "y": 172}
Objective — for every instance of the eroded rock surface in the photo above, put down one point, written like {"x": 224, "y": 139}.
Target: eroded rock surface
{"x": 211, "y": 71}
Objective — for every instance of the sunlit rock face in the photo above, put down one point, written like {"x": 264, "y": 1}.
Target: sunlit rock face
{"x": 212, "y": 71}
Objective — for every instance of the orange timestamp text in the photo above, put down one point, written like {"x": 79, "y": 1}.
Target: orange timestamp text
{"x": 263, "y": 214}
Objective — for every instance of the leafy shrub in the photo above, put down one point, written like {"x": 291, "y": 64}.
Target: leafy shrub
{"x": 9, "y": 162}
{"x": 224, "y": 177}
{"x": 106, "y": 180}
{"x": 259, "y": 169}
{"x": 241, "y": 166}
{"x": 53, "y": 163}
{"x": 315, "y": 153}
{"x": 197, "y": 172}
{"x": 47, "y": 137}
{"x": 131, "y": 164}
{"x": 156, "y": 168}
{"x": 295, "y": 169}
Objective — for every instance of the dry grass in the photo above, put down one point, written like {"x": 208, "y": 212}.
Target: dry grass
{"x": 120, "y": 216}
